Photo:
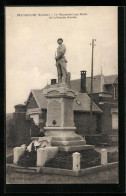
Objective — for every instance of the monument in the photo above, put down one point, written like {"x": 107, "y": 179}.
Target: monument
{"x": 61, "y": 62}
{"x": 60, "y": 117}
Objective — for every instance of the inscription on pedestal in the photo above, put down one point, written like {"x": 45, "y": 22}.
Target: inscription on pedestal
{"x": 54, "y": 115}
{"x": 68, "y": 113}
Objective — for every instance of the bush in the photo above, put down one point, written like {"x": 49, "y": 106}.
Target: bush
{"x": 11, "y": 136}
{"x": 64, "y": 160}
{"x": 97, "y": 140}
{"x": 9, "y": 160}
{"x": 112, "y": 156}
{"x": 90, "y": 158}
{"x": 61, "y": 160}
{"x": 28, "y": 159}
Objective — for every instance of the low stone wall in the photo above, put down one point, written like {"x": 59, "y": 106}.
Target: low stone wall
{"x": 44, "y": 154}
{"x": 58, "y": 171}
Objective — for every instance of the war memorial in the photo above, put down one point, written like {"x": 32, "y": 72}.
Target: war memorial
{"x": 61, "y": 150}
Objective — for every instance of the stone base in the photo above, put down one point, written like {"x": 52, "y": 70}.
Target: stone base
{"x": 66, "y": 139}
{"x": 75, "y": 148}
{"x": 60, "y": 131}
{"x": 69, "y": 144}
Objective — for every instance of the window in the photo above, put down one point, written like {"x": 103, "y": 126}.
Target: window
{"x": 35, "y": 118}
{"x": 114, "y": 121}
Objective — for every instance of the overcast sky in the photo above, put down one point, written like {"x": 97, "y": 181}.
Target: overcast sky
{"x": 31, "y": 42}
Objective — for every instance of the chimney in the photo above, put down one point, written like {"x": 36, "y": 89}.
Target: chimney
{"x": 53, "y": 81}
{"x": 20, "y": 111}
{"x": 83, "y": 81}
{"x": 20, "y": 108}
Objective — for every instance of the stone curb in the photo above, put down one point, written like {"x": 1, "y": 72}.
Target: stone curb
{"x": 15, "y": 168}
{"x": 58, "y": 171}
{"x": 98, "y": 168}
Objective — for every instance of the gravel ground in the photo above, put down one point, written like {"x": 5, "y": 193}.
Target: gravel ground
{"x": 103, "y": 177}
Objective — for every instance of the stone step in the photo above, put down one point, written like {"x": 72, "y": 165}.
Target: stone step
{"x": 68, "y": 143}
{"x": 77, "y": 137}
{"x": 75, "y": 148}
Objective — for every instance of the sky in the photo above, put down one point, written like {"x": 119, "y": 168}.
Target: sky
{"x": 31, "y": 43}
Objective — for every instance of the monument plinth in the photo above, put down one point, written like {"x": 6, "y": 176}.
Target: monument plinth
{"x": 60, "y": 119}
{"x": 60, "y": 108}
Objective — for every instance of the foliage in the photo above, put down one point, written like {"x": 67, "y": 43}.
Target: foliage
{"x": 28, "y": 159}
{"x": 89, "y": 158}
{"x": 61, "y": 160}
{"x": 97, "y": 140}
{"x": 112, "y": 156}
{"x": 9, "y": 160}
{"x": 11, "y": 135}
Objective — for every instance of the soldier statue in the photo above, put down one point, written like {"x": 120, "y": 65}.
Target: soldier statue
{"x": 61, "y": 62}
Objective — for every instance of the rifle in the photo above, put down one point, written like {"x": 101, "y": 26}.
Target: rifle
{"x": 55, "y": 58}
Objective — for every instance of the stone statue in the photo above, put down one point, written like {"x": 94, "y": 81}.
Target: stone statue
{"x": 61, "y": 62}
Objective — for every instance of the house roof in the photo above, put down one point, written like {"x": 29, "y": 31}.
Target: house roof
{"x": 84, "y": 105}
{"x": 110, "y": 79}
{"x": 83, "y": 98}
{"x": 76, "y": 84}
{"x": 40, "y": 98}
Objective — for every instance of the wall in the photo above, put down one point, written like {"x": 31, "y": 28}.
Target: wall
{"x": 106, "y": 119}
{"x": 83, "y": 123}
{"x": 109, "y": 88}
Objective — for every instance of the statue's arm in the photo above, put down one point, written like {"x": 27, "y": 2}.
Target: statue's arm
{"x": 62, "y": 51}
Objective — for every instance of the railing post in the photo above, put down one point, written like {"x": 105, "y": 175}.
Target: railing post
{"x": 104, "y": 160}
{"x": 76, "y": 161}
{"x": 18, "y": 151}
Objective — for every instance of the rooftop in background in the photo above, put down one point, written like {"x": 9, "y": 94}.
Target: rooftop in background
{"x": 82, "y": 106}
{"x": 98, "y": 80}
{"x": 110, "y": 79}
{"x": 79, "y": 103}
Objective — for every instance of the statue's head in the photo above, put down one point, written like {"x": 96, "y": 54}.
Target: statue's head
{"x": 60, "y": 41}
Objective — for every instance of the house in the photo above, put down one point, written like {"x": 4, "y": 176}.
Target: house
{"x": 105, "y": 95}
{"x": 104, "y": 117}
{"x": 20, "y": 128}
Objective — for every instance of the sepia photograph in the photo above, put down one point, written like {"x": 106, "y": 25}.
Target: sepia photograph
{"x": 61, "y": 94}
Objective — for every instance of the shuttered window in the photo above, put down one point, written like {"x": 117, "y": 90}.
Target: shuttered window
{"x": 35, "y": 118}
{"x": 115, "y": 121}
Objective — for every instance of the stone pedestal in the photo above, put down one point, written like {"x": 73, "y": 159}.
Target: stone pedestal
{"x": 60, "y": 119}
